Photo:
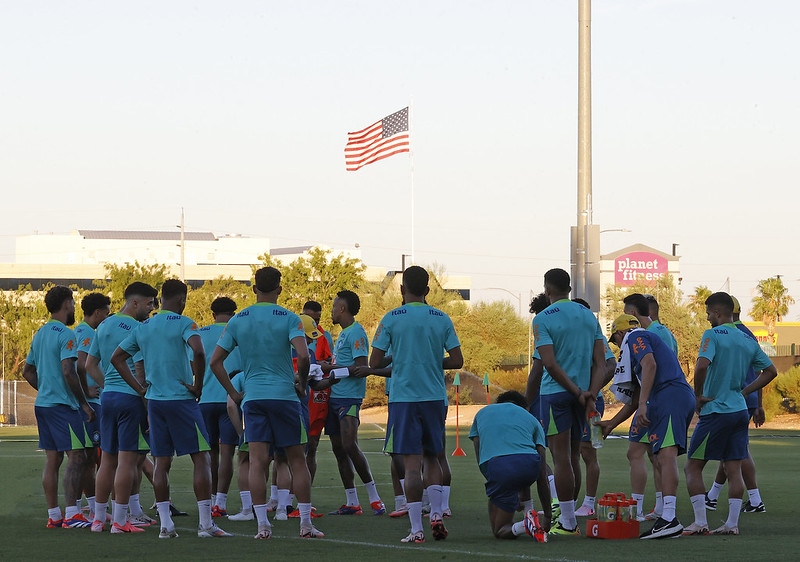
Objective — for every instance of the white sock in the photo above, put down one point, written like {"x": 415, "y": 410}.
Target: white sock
{"x": 261, "y": 515}
{"x": 639, "y": 499}
{"x": 755, "y": 497}
{"x": 372, "y": 490}
{"x": 527, "y": 505}
{"x": 71, "y": 511}
{"x": 351, "y": 496}
{"x": 247, "y": 500}
{"x": 425, "y": 497}
{"x": 273, "y": 493}
{"x": 120, "y": 513}
{"x": 78, "y": 505}
{"x": 415, "y": 516}
{"x": 291, "y": 500}
{"x": 403, "y": 485}
{"x": 91, "y": 503}
{"x": 305, "y": 514}
{"x": 699, "y": 507}
{"x": 164, "y": 516}
{"x": 134, "y": 507}
{"x": 734, "y": 507}
{"x": 552, "y": 481}
{"x": 518, "y": 528}
{"x": 435, "y": 495}
{"x": 283, "y": 499}
{"x": 568, "y": 520}
{"x": 54, "y": 513}
{"x": 659, "y": 509}
{"x": 221, "y": 501}
{"x": 445, "y": 498}
{"x": 588, "y": 501}
{"x": 100, "y": 510}
{"x": 669, "y": 508}
{"x": 204, "y": 509}
{"x": 713, "y": 493}
{"x": 399, "y": 503}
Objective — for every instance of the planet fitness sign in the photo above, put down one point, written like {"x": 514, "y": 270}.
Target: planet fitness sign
{"x": 639, "y": 266}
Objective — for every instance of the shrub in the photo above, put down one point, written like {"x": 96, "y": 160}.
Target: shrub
{"x": 510, "y": 380}
{"x": 376, "y": 392}
{"x": 788, "y": 386}
{"x": 771, "y": 401}
{"x": 464, "y": 395}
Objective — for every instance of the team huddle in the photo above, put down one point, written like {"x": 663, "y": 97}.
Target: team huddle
{"x": 268, "y": 381}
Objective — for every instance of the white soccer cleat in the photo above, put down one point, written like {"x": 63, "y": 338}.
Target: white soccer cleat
{"x": 244, "y": 515}
{"x": 212, "y": 532}
{"x": 311, "y": 533}
{"x": 584, "y": 511}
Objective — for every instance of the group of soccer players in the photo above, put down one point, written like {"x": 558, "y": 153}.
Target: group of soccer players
{"x": 268, "y": 380}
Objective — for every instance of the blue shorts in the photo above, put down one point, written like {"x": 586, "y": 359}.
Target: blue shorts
{"x": 123, "y": 425}
{"x": 61, "y": 428}
{"x": 93, "y": 427}
{"x": 600, "y": 406}
{"x": 720, "y": 437}
{"x": 562, "y": 412}
{"x": 670, "y": 412}
{"x": 415, "y": 427}
{"x": 176, "y": 427}
{"x": 507, "y": 475}
{"x": 218, "y": 424}
{"x": 637, "y": 434}
{"x": 339, "y": 408}
{"x": 277, "y": 422}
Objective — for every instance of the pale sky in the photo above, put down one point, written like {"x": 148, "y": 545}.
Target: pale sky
{"x": 117, "y": 114}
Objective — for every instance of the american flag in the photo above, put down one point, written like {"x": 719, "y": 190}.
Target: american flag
{"x": 378, "y": 141}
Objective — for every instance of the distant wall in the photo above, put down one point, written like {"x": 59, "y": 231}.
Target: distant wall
{"x": 785, "y": 362}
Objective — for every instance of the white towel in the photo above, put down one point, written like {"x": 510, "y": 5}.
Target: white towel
{"x": 623, "y": 384}
{"x": 315, "y": 372}
{"x": 341, "y": 373}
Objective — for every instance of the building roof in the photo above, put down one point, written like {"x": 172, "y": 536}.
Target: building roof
{"x": 638, "y": 248}
{"x": 289, "y": 251}
{"x": 145, "y": 235}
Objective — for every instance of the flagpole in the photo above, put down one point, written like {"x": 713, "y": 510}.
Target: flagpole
{"x": 411, "y": 161}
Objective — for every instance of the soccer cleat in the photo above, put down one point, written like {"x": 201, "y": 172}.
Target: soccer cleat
{"x": 76, "y": 522}
{"x": 533, "y": 528}
{"x": 216, "y": 511}
{"x": 378, "y": 508}
{"x": 695, "y": 529}
{"x": 584, "y": 511}
{"x": 272, "y": 505}
{"x": 294, "y": 514}
{"x": 212, "y": 532}
{"x": 663, "y": 529}
{"x": 141, "y": 520}
{"x": 244, "y": 515}
{"x": 175, "y": 512}
{"x": 168, "y": 534}
{"x": 711, "y": 505}
{"x": 280, "y": 515}
{"x": 447, "y": 513}
{"x": 98, "y": 527}
{"x": 725, "y": 530}
{"x": 437, "y": 527}
{"x": 400, "y": 512}
{"x": 116, "y": 528}
{"x": 347, "y": 510}
{"x": 750, "y": 508}
{"x": 311, "y": 533}
{"x": 264, "y": 532}
{"x": 414, "y": 538}
{"x": 560, "y": 530}
{"x": 54, "y": 524}
{"x": 652, "y": 516}
{"x": 426, "y": 508}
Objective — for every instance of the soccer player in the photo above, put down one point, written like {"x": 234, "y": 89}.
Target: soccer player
{"x": 510, "y": 446}
{"x": 572, "y": 348}
{"x": 96, "y": 307}
{"x": 243, "y": 457}
{"x": 351, "y": 351}
{"x": 656, "y": 325}
{"x": 213, "y": 406}
{"x": 123, "y": 427}
{"x": 173, "y": 385}
{"x": 50, "y": 369}
{"x": 418, "y": 335}
{"x": 663, "y": 404}
{"x": 721, "y": 434}
{"x": 754, "y": 504}
{"x": 265, "y": 334}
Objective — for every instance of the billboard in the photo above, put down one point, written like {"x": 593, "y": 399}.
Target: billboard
{"x": 639, "y": 266}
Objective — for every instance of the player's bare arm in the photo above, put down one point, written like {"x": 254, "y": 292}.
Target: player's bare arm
{"x": 120, "y": 361}
{"x": 218, "y": 368}
{"x": 198, "y": 366}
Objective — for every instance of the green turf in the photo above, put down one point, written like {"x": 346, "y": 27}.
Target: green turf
{"x": 770, "y": 535}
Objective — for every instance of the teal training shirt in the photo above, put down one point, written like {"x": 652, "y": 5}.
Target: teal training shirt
{"x": 263, "y": 333}
{"x": 212, "y": 389}
{"x": 666, "y": 336}
{"x": 418, "y": 335}
{"x": 110, "y": 333}
{"x": 351, "y": 344}
{"x": 84, "y": 334}
{"x": 506, "y": 429}
{"x": 162, "y": 340}
{"x": 571, "y": 329}
{"x": 731, "y": 353}
{"x": 51, "y": 344}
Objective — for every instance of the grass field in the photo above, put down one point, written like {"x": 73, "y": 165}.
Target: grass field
{"x": 764, "y": 536}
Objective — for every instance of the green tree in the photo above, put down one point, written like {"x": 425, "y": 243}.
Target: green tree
{"x": 118, "y": 277}
{"x": 198, "y": 303}
{"x": 772, "y": 302}
{"x": 697, "y": 302}
{"x": 22, "y": 312}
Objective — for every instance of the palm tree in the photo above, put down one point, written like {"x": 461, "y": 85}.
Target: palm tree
{"x": 697, "y": 302}
{"x": 772, "y": 303}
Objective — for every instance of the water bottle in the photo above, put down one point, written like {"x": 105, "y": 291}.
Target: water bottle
{"x": 596, "y": 430}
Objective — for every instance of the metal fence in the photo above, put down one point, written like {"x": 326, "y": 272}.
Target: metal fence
{"x": 16, "y": 403}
